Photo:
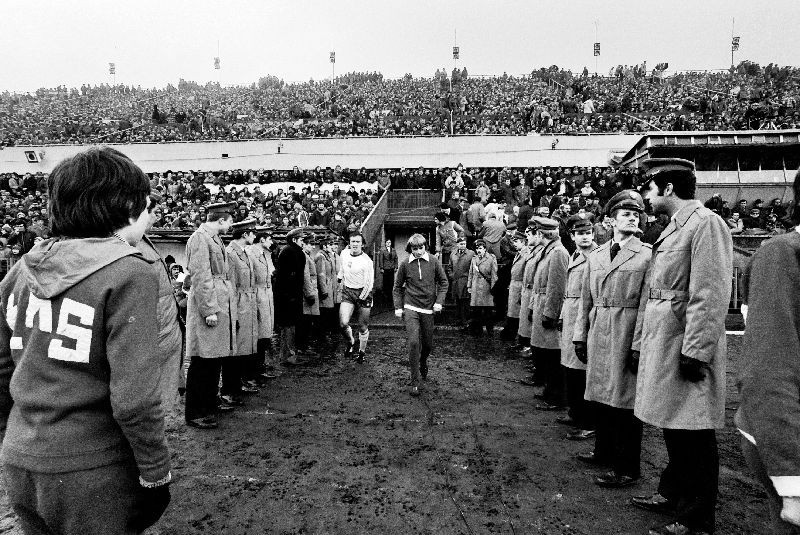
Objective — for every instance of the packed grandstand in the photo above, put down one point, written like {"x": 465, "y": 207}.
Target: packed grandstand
{"x": 627, "y": 100}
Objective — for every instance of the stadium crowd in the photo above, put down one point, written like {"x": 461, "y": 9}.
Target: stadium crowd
{"x": 366, "y": 104}
{"x": 339, "y": 198}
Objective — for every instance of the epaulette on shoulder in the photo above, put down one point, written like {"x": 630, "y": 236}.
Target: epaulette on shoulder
{"x": 648, "y": 245}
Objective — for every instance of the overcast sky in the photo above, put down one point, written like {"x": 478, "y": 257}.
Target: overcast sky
{"x": 155, "y": 42}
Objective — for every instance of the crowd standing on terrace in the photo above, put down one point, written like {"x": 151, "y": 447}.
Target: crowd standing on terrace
{"x": 341, "y": 199}
{"x": 550, "y": 101}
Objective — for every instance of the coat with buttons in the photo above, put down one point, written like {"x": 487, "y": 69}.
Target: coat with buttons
{"x": 240, "y": 273}
{"x": 460, "y": 263}
{"x": 326, "y": 279}
{"x": 263, "y": 270}
{"x": 515, "y": 286}
{"x": 569, "y": 312}
{"x": 481, "y": 278}
{"x": 310, "y": 287}
{"x": 547, "y": 294}
{"x": 683, "y": 313}
{"x": 211, "y": 293}
{"x": 524, "y": 329}
{"x": 606, "y": 320}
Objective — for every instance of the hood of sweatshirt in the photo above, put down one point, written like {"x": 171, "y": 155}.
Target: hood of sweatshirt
{"x": 56, "y": 265}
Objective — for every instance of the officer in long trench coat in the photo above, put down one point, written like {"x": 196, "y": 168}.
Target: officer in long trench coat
{"x": 613, "y": 282}
{"x": 263, "y": 271}
{"x": 681, "y": 383}
{"x": 210, "y": 315}
{"x": 524, "y": 329}
{"x": 515, "y": 286}
{"x": 242, "y": 275}
{"x": 544, "y": 309}
{"x": 580, "y": 412}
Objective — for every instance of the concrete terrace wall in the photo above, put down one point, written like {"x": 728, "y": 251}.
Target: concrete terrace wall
{"x": 472, "y": 151}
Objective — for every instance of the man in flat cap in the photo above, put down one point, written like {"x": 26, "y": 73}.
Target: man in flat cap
{"x": 580, "y": 412}
{"x": 544, "y": 309}
{"x": 242, "y": 276}
{"x": 288, "y": 292}
{"x": 460, "y": 262}
{"x": 210, "y": 315}
{"x": 614, "y": 279}
{"x": 681, "y": 383}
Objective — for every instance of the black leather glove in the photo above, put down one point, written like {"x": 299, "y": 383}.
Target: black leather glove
{"x": 310, "y": 299}
{"x": 323, "y": 296}
{"x": 530, "y": 315}
{"x": 692, "y": 370}
{"x": 632, "y": 361}
{"x": 549, "y": 323}
{"x": 580, "y": 351}
{"x": 560, "y": 325}
{"x": 150, "y": 506}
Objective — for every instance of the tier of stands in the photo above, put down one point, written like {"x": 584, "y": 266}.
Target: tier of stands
{"x": 546, "y": 101}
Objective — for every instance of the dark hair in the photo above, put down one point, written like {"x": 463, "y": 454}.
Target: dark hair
{"x": 795, "y": 217}
{"x": 95, "y": 193}
{"x": 239, "y": 232}
{"x": 354, "y": 234}
{"x": 213, "y": 217}
{"x": 684, "y": 183}
{"x": 440, "y": 216}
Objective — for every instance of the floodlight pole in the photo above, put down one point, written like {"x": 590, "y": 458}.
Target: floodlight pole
{"x": 596, "y": 40}
{"x": 733, "y": 23}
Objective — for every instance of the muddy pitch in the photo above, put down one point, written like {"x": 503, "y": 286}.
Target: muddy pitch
{"x": 339, "y": 447}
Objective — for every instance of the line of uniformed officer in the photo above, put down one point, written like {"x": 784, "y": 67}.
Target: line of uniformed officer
{"x": 229, "y": 310}
{"x": 648, "y": 323}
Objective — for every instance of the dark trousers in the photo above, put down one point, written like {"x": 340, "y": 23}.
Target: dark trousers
{"x": 99, "y": 501}
{"x": 580, "y": 410}
{"x": 551, "y": 373}
{"x": 619, "y": 439}
{"x": 288, "y": 349}
{"x": 202, "y": 384}
{"x": 328, "y": 321}
{"x": 510, "y": 329}
{"x": 462, "y": 310}
{"x": 388, "y": 284}
{"x": 753, "y": 458}
{"x": 419, "y": 340}
{"x": 304, "y": 331}
{"x": 233, "y": 369}
{"x": 691, "y": 477}
{"x": 482, "y": 317}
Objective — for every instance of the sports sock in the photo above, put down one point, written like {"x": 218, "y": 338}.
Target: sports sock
{"x": 362, "y": 340}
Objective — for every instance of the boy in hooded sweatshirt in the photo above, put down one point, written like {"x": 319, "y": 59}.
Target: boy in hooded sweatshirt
{"x": 84, "y": 449}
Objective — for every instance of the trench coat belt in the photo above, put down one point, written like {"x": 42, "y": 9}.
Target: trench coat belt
{"x": 572, "y": 296}
{"x": 676, "y": 295}
{"x": 262, "y": 285}
{"x": 606, "y": 302}
{"x": 541, "y": 291}
{"x": 220, "y": 277}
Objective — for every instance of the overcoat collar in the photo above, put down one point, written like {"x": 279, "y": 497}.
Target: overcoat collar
{"x": 627, "y": 252}
{"x": 575, "y": 262}
{"x": 678, "y": 220}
